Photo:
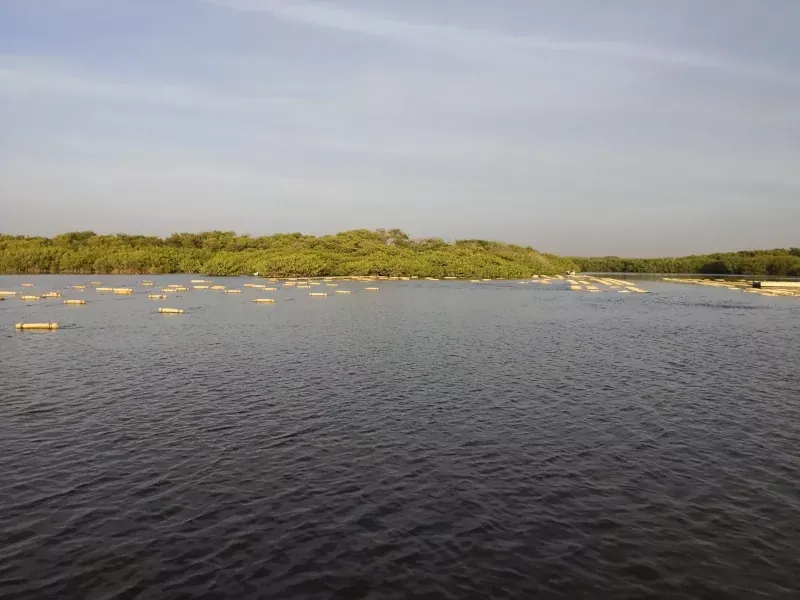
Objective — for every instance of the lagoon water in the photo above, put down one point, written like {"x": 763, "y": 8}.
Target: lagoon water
{"x": 430, "y": 440}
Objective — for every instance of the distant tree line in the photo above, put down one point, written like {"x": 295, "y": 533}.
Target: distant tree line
{"x": 359, "y": 252}
{"x": 780, "y": 262}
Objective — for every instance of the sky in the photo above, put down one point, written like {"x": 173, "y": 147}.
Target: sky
{"x": 624, "y": 127}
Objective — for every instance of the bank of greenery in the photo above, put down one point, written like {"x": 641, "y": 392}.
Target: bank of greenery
{"x": 777, "y": 262}
{"x": 359, "y": 252}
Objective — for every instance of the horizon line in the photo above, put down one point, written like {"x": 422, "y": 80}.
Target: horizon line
{"x": 386, "y": 230}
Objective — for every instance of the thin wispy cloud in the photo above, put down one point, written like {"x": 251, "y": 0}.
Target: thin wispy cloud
{"x": 22, "y": 77}
{"x": 477, "y": 43}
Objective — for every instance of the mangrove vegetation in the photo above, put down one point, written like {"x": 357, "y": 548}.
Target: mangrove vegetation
{"x": 360, "y": 252}
{"x": 759, "y": 263}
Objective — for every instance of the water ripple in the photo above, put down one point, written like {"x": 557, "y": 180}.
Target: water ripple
{"x": 432, "y": 441}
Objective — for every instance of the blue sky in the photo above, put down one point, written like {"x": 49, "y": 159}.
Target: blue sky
{"x": 638, "y": 127}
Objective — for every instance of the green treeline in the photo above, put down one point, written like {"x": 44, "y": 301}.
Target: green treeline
{"x": 359, "y": 252}
{"x": 780, "y": 262}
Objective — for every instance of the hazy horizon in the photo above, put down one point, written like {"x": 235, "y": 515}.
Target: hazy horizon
{"x": 623, "y": 128}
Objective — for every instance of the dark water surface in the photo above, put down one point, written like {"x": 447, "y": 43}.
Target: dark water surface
{"x": 430, "y": 440}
